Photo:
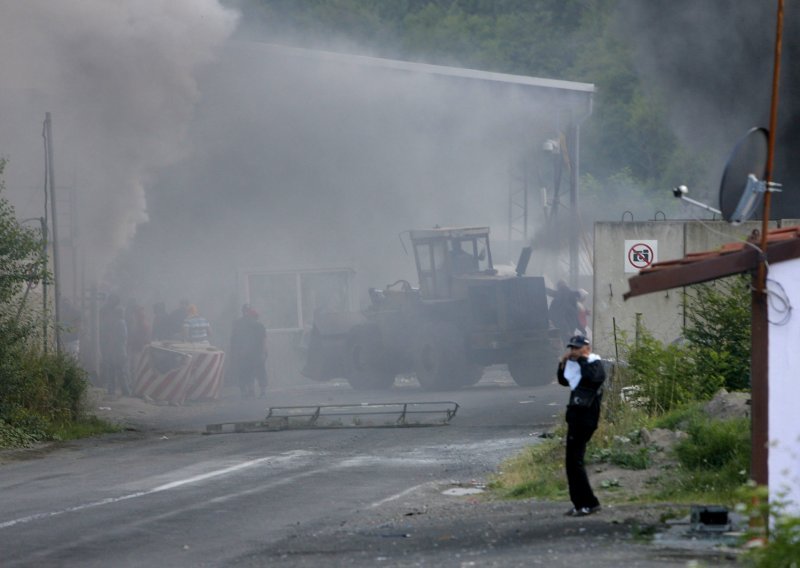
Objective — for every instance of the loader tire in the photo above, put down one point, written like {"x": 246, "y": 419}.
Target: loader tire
{"x": 366, "y": 368}
{"x": 532, "y": 369}
{"x": 440, "y": 359}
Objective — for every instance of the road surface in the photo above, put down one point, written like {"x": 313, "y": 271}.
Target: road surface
{"x": 167, "y": 495}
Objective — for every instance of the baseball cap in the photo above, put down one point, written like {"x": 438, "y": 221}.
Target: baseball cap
{"x": 578, "y": 341}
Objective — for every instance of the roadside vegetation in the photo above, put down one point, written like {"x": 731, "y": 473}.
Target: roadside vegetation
{"x": 41, "y": 391}
{"x": 657, "y": 387}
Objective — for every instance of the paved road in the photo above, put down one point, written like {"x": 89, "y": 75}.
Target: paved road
{"x": 169, "y": 496}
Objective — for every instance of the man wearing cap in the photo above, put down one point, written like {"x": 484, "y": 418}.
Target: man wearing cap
{"x": 582, "y": 371}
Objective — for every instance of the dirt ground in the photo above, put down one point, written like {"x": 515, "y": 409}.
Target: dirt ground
{"x": 138, "y": 414}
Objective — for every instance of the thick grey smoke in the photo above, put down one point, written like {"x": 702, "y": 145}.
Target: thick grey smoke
{"x": 303, "y": 160}
{"x": 248, "y": 156}
{"x": 713, "y": 62}
{"x": 119, "y": 80}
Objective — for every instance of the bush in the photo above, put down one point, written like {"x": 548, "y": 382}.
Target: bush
{"x": 39, "y": 393}
{"x": 714, "y": 460}
{"x": 716, "y": 445}
{"x": 715, "y": 353}
{"x": 718, "y": 326}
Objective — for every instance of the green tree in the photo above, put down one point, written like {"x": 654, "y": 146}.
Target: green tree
{"x": 20, "y": 262}
{"x": 39, "y": 392}
{"x": 715, "y": 353}
{"x": 718, "y": 325}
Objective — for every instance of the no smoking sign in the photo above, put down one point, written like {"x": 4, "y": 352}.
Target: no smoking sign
{"x": 640, "y": 254}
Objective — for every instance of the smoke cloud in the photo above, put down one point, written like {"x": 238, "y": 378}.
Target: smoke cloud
{"x": 306, "y": 160}
{"x": 208, "y": 154}
{"x": 713, "y": 60}
{"x": 119, "y": 80}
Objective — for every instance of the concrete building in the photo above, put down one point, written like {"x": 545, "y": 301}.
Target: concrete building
{"x": 621, "y": 249}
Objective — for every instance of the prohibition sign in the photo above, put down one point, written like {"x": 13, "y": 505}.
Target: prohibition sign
{"x": 641, "y": 255}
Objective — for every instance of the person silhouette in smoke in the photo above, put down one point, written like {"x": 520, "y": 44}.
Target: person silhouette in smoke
{"x": 70, "y": 327}
{"x": 248, "y": 353}
{"x": 161, "y": 322}
{"x": 563, "y": 310}
{"x": 462, "y": 261}
{"x": 117, "y": 353}
{"x": 106, "y": 323}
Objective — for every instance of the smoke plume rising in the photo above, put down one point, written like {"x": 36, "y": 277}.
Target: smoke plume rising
{"x": 119, "y": 79}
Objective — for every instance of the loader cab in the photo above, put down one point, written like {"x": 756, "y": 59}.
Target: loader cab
{"x": 444, "y": 254}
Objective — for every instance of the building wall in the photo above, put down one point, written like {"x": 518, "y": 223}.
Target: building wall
{"x": 662, "y": 312}
{"x": 784, "y": 359}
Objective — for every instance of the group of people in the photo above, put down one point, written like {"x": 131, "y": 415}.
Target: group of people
{"x": 125, "y": 331}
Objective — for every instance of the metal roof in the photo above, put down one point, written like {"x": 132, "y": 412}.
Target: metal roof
{"x": 449, "y": 232}
{"x": 442, "y": 70}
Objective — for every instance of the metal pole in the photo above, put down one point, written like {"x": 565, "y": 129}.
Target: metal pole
{"x": 43, "y": 222}
{"x": 574, "y": 227}
{"x": 56, "y": 272}
{"x": 759, "y": 389}
{"x": 574, "y": 179}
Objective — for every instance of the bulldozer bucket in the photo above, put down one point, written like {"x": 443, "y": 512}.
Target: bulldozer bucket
{"x": 365, "y": 415}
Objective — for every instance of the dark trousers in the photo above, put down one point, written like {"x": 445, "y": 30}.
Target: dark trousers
{"x": 250, "y": 370}
{"x": 114, "y": 371}
{"x": 580, "y": 492}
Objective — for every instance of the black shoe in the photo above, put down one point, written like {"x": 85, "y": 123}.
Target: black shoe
{"x": 582, "y": 511}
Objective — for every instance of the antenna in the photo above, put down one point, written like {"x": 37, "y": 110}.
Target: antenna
{"x": 743, "y": 177}
{"x": 682, "y": 191}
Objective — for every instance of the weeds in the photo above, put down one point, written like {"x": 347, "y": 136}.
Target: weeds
{"x": 536, "y": 472}
{"x": 712, "y": 461}
{"x": 775, "y": 532}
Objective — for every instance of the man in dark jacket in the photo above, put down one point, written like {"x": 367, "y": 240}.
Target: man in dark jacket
{"x": 249, "y": 352}
{"x": 582, "y": 371}
{"x": 563, "y": 311}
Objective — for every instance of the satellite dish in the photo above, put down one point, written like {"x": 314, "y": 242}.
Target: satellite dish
{"x": 743, "y": 178}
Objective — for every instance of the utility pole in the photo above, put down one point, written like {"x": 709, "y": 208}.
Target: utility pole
{"x": 48, "y": 130}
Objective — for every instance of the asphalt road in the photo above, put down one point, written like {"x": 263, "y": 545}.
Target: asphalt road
{"x": 169, "y": 496}
{"x": 164, "y": 494}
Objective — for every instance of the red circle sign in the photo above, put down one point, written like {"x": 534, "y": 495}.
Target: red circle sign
{"x": 640, "y": 255}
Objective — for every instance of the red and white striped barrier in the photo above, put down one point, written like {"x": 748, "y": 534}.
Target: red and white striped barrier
{"x": 177, "y": 372}
{"x": 206, "y": 375}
